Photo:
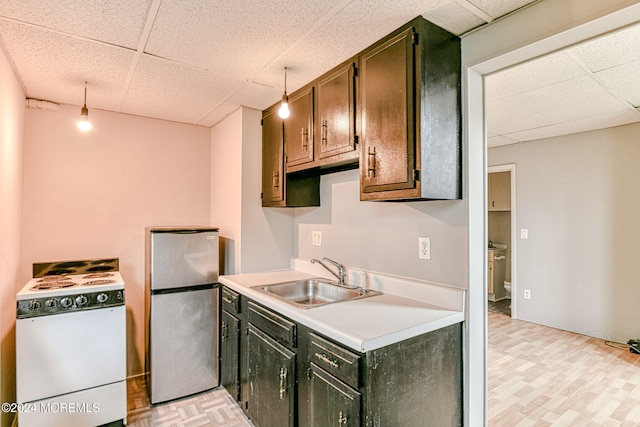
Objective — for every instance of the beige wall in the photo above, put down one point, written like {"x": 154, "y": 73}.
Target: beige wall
{"x": 255, "y": 238}
{"x": 11, "y": 153}
{"x": 91, "y": 194}
{"x": 579, "y": 198}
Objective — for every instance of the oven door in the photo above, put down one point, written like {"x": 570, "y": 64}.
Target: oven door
{"x": 63, "y": 353}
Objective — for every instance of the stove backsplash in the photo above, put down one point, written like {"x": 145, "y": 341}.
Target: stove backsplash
{"x": 42, "y": 269}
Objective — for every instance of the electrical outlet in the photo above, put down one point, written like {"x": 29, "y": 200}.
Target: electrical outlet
{"x": 527, "y": 294}
{"x": 316, "y": 238}
{"x": 524, "y": 233}
{"x": 424, "y": 247}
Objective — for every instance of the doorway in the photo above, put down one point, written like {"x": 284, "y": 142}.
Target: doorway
{"x": 501, "y": 233}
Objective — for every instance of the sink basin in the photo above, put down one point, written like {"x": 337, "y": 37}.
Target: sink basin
{"x": 311, "y": 293}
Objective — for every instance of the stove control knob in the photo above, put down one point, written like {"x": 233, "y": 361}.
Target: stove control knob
{"x": 81, "y": 300}
{"x": 66, "y": 302}
{"x": 102, "y": 298}
{"x": 50, "y": 303}
{"x": 34, "y": 305}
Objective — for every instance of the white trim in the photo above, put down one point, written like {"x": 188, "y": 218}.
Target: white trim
{"x": 511, "y": 168}
{"x": 546, "y": 26}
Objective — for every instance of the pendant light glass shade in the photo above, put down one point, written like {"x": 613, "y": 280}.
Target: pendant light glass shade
{"x": 84, "y": 124}
{"x": 284, "y": 112}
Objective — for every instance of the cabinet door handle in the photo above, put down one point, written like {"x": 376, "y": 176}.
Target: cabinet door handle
{"x": 227, "y": 300}
{"x": 305, "y": 139}
{"x": 371, "y": 161}
{"x": 342, "y": 419}
{"x": 326, "y": 360}
{"x": 275, "y": 180}
{"x": 323, "y": 133}
{"x": 225, "y": 330}
{"x": 283, "y": 382}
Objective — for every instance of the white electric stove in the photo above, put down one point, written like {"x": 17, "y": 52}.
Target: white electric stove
{"x": 71, "y": 345}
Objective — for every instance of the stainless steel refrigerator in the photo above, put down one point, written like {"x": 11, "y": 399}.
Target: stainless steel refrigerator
{"x": 181, "y": 300}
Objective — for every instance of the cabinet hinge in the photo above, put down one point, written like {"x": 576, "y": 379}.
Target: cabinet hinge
{"x": 246, "y": 331}
{"x": 356, "y": 140}
{"x": 261, "y": 122}
{"x": 355, "y": 70}
{"x": 309, "y": 374}
{"x": 261, "y": 196}
{"x": 416, "y": 175}
{"x": 414, "y": 38}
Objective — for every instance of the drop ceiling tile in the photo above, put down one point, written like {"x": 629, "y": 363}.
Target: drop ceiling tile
{"x": 583, "y": 125}
{"x": 569, "y": 100}
{"x": 531, "y": 75}
{"x": 251, "y": 95}
{"x": 236, "y": 38}
{"x": 164, "y": 89}
{"x": 453, "y": 18}
{"x": 60, "y": 78}
{"x": 118, "y": 22}
{"x": 611, "y": 50}
{"x": 623, "y": 81}
{"x": 498, "y": 8}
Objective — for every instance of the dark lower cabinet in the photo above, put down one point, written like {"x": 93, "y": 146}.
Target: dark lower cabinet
{"x": 292, "y": 376}
{"x": 230, "y": 354}
{"x": 271, "y": 375}
{"x": 331, "y": 402}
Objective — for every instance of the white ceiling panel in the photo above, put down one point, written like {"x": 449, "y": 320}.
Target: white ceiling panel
{"x": 453, "y": 17}
{"x": 498, "y": 140}
{"x": 163, "y": 89}
{"x": 118, "y": 22}
{"x": 498, "y": 8}
{"x": 611, "y": 50}
{"x": 623, "y": 81}
{"x": 60, "y": 78}
{"x": 570, "y": 127}
{"x": 532, "y": 75}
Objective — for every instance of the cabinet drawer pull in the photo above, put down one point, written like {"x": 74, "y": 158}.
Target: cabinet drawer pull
{"x": 323, "y": 133}
{"x": 227, "y": 300}
{"x": 371, "y": 161}
{"x": 283, "y": 379}
{"x": 305, "y": 139}
{"x": 342, "y": 419}
{"x": 326, "y": 359}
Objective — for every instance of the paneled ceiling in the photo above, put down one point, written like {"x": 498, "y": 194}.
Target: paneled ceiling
{"x": 196, "y": 61}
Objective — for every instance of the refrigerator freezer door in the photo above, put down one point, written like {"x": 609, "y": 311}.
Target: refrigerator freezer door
{"x": 181, "y": 259}
{"x": 183, "y": 344}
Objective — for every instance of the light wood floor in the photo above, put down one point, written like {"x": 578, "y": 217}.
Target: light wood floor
{"x": 540, "y": 376}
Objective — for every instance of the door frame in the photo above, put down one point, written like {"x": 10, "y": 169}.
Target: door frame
{"x": 511, "y": 168}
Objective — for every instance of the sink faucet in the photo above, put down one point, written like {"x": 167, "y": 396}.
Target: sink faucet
{"x": 341, "y": 269}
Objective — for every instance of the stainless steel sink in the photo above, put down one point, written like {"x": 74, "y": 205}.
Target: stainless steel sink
{"x": 311, "y": 293}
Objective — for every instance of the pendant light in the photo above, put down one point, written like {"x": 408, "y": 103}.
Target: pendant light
{"x": 84, "y": 124}
{"x": 283, "y": 112}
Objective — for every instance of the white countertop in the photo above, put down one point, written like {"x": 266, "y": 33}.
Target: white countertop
{"x": 403, "y": 311}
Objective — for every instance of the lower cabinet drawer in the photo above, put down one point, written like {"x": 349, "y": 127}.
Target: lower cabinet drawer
{"x": 336, "y": 360}
{"x": 277, "y": 327}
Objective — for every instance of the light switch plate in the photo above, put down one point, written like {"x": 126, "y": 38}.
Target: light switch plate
{"x": 524, "y": 233}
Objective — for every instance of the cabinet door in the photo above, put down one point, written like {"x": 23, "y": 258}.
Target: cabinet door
{"x": 272, "y": 158}
{"x": 298, "y": 128}
{"x": 332, "y": 402}
{"x": 336, "y": 112}
{"x": 271, "y": 378}
{"x": 387, "y": 90}
{"x": 230, "y": 354}
{"x": 500, "y": 191}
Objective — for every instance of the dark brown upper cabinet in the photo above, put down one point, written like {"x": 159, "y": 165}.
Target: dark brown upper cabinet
{"x": 298, "y": 130}
{"x": 280, "y": 189}
{"x": 336, "y": 115}
{"x": 410, "y": 115}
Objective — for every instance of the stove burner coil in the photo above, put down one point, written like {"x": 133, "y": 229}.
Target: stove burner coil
{"x": 98, "y": 282}
{"x": 97, "y": 275}
{"x": 54, "y": 278}
{"x": 59, "y": 284}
